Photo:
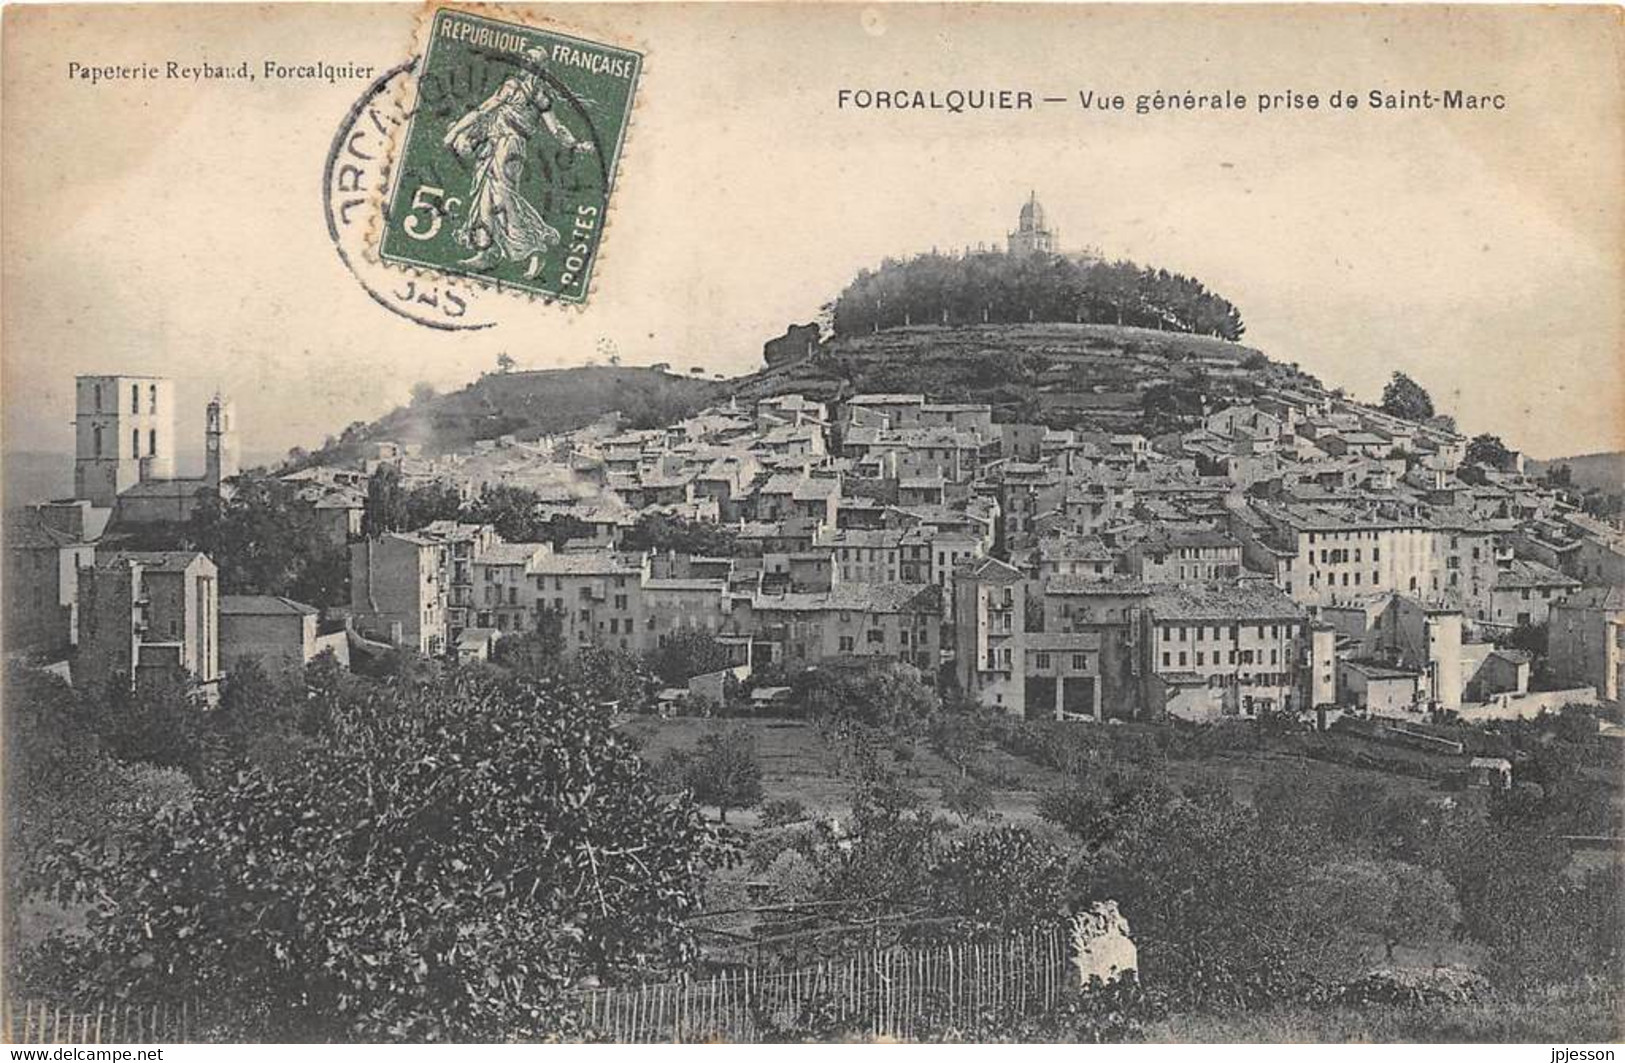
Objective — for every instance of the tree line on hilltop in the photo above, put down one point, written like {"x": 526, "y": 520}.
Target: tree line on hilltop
{"x": 994, "y": 288}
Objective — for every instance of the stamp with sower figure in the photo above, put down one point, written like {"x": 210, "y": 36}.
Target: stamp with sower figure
{"x": 505, "y": 168}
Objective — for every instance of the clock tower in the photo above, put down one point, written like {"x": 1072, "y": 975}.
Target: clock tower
{"x": 220, "y": 458}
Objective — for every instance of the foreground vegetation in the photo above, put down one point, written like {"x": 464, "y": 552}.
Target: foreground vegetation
{"x": 449, "y": 852}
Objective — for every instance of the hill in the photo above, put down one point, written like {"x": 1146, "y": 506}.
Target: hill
{"x": 997, "y": 288}
{"x": 531, "y": 404}
{"x": 1092, "y": 376}
{"x": 36, "y": 475}
{"x": 1604, "y": 472}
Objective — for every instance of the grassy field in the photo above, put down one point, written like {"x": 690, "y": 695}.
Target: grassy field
{"x": 799, "y": 763}
{"x": 1566, "y": 1018}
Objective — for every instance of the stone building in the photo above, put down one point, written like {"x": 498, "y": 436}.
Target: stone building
{"x": 149, "y": 615}
{"x": 1586, "y": 640}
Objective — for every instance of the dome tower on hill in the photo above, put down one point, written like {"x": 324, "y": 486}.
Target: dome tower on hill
{"x": 1034, "y": 235}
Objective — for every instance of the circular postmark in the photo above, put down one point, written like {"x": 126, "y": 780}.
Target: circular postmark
{"x": 351, "y": 181}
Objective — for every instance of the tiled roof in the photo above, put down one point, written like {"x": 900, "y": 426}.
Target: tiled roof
{"x": 263, "y": 605}
{"x": 1216, "y": 600}
{"x": 584, "y": 563}
{"x": 886, "y": 399}
{"x": 858, "y": 598}
{"x": 154, "y": 560}
{"x": 1110, "y": 585}
{"x": 1523, "y": 573}
{"x": 511, "y": 553}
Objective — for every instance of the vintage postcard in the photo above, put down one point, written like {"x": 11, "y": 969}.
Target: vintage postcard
{"x": 813, "y": 522}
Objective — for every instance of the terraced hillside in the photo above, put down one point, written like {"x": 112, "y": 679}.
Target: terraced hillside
{"x": 1066, "y": 375}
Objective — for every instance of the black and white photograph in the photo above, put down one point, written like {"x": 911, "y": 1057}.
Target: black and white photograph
{"x": 705, "y": 523}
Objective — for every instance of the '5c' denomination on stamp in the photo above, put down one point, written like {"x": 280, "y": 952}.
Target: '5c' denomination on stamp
{"x": 505, "y": 169}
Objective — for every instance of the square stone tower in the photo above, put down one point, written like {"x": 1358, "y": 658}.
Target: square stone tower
{"x": 125, "y": 432}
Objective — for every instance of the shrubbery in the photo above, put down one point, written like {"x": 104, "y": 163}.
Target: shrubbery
{"x": 447, "y": 860}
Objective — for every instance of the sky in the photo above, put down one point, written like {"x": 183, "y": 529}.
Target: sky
{"x": 176, "y": 227}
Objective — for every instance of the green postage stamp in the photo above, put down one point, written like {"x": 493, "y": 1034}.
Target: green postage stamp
{"x": 505, "y": 168}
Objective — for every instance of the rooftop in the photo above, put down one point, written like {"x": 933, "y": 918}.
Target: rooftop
{"x": 1217, "y": 600}
{"x": 1523, "y": 573}
{"x": 152, "y": 560}
{"x": 263, "y": 605}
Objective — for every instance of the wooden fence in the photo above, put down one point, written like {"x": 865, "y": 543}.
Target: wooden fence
{"x": 878, "y": 993}
{"x": 890, "y": 993}
{"x": 37, "y": 1022}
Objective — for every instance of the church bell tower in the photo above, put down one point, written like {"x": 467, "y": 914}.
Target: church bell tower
{"x": 220, "y": 457}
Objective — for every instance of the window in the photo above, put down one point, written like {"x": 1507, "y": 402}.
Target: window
{"x": 135, "y": 442}
{"x": 96, "y": 437}
{"x": 152, "y": 398}
{"x": 152, "y": 441}
{"x": 1182, "y": 658}
{"x": 98, "y": 398}
{"x": 1200, "y": 658}
{"x": 135, "y": 398}
{"x": 1080, "y": 661}
{"x": 1041, "y": 661}
{"x": 1165, "y": 662}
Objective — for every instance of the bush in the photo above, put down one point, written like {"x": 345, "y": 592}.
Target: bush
{"x": 456, "y": 855}
{"x": 783, "y": 811}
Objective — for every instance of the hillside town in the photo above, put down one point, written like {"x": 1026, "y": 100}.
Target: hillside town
{"x": 1066, "y": 681}
{"x": 1302, "y": 554}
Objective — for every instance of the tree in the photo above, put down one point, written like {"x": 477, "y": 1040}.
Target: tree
{"x": 1391, "y": 901}
{"x": 967, "y": 798}
{"x": 515, "y": 512}
{"x": 427, "y": 503}
{"x": 1004, "y": 879}
{"x": 538, "y": 652}
{"x": 64, "y": 788}
{"x": 686, "y": 653}
{"x": 1423, "y": 909}
{"x": 266, "y": 541}
{"x": 724, "y": 771}
{"x": 1404, "y": 397}
{"x": 385, "y": 507}
{"x": 611, "y": 676}
{"x": 1222, "y": 900}
{"x": 456, "y": 856}
{"x": 1488, "y": 450}
{"x": 884, "y": 694}
{"x": 423, "y": 393}
{"x": 505, "y": 362}
{"x": 665, "y": 532}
